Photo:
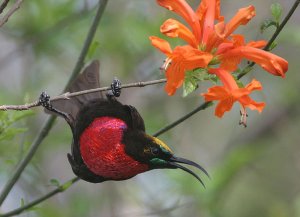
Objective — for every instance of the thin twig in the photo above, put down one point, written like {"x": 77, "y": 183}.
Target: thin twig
{"x": 12, "y": 10}
{"x": 283, "y": 23}
{"x": 88, "y": 41}
{"x": 3, "y": 5}
{"x": 57, "y": 190}
{"x": 136, "y": 84}
{"x": 180, "y": 120}
{"x": 66, "y": 96}
{"x": 49, "y": 123}
{"x": 19, "y": 107}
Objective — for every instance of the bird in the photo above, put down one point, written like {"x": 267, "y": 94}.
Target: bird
{"x": 109, "y": 138}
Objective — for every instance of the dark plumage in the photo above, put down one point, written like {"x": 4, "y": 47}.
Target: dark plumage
{"x": 109, "y": 139}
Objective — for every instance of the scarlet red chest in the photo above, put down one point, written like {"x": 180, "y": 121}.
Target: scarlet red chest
{"x": 103, "y": 152}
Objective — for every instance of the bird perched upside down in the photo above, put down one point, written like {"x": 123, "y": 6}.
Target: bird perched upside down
{"x": 109, "y": 138}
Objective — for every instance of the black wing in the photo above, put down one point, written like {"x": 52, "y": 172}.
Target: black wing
{"x": 137, "y": 121}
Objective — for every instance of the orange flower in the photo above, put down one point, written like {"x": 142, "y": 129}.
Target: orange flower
{"x": 230, "y": 58}
{"x": 181, "y": 59}
{"x": 230, "y": 93}
{"x": 185, "y": 11}
{"x": 174, "y": 29}
{"x": 212, "y": 44}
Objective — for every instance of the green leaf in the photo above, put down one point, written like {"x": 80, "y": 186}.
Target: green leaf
{"x": 7, "y": 132}
{"x": 66, "y": 185}
{"x": 54, "y": 182}
{"x": 266, "y": 24}
{"x": 213, "y": 78}
{"x": 198, "y": 74}
{"x": 21, "y": 115}
{"x": 10, "y": 133}
{"x": 276, "y": 11}
{"x": 189, "y": 85}
{"x": 192, "y": 78}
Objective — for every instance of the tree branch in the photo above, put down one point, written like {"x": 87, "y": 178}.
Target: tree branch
{"x": 13, "y": 9}
{"x": 57, "y": 190}
{"x": 49, "y": 123}
{"x": 3, "y": 5}
{"x": 66, "y": 96}
{"x": 180, "y": 120}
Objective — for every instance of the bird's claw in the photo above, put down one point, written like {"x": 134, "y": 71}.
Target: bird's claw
{"x": 116, "y": 87}
{"x": 44, "y": 100}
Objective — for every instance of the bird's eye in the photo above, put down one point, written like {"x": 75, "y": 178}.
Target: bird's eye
{"x": 154, "y": 151}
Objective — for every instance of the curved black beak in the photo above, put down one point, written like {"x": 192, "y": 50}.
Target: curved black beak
{"x": 173, "y": 161}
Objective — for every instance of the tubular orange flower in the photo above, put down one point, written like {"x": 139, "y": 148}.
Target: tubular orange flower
{"x": 185, "y": 11}
{"x": 242, "y": 17}
{"x": 161, "y": 44}
{"x": 230, "y": 93}
{"x": 226, "y": 98}
{"x": 174, "y": 29}
{"x": 214, "y": 11}
{"x": 183, "y": 58}
{"x": 270, "y": 62}
{"x": 208, "y": 11}
{"x": 211, "y": 43}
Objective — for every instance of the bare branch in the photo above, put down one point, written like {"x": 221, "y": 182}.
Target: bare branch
{"x": 3, "y": 5}
{"x": 12, "y": 10}
{"x": 137, "y": 84}
{"x": 67, "y": 95}
{"x": 203, "y": 106}
{"x": 19, "y": 107}
{"x": 57, "y": 190}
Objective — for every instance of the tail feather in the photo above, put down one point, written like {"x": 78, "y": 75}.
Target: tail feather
{"x": 88, "y": 79}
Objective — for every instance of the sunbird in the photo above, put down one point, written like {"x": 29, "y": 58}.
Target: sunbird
{"x": 109, "y": 138}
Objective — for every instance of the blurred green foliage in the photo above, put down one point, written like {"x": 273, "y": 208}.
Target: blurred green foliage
{"x": 12, "y": 128}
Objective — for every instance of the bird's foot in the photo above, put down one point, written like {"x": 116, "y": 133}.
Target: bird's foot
{"x": 116, "y": 87}
{"x": 44, "y": 100}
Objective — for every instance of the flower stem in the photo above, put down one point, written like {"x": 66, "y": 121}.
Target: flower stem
{"x": 180, "y": 120}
